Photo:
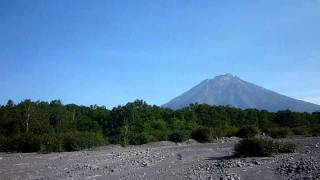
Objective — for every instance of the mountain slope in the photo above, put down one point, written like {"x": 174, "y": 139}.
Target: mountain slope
{"x": 231, "y": 90}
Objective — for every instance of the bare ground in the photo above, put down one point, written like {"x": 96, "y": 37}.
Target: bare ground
{"x": 165, "y": 160}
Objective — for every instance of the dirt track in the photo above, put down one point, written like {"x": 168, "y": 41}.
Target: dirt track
{"x": 165, "y": 160}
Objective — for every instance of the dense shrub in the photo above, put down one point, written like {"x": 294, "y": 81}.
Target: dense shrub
{"x": 224, "y": 131}
{"x": 21, "y": 143}
{"x": 157, "y": 129}
{"x": 24, "y": 143}
{"x": 75, "y": 141}
{"x": 255, "y": 147}
{"x": 52, "y": 126}
{"x": 141, "y": 138}
{"x": 231, "y": 131}
{"x": 203, "y": 135}
{"x": 303, "y": 130}
{"x": 28, "y": 143}
{"x": 315, "y": 130}
{"x": 7, "y": 144}
{"x": 279, "y": 132}
{"x": 248, "y": 131}
{"x": 179, "y": 136}
{"x": 51, "y": 143}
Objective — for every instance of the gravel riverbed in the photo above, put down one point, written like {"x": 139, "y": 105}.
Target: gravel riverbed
{"x": 165, "y": 160}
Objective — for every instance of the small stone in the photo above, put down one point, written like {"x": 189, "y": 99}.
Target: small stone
{"x": 257, "y": 162}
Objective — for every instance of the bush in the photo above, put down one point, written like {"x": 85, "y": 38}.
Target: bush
{"x": 179, "y": 136}
{"x": 255, "y": 147}
{"x": 287, "y": 148}
{"x": 157, "y": 129}
{"x": 231, "y": 131}
{"x": 315, "y": 130}
{"x": 76, "y": 141}
{"x": 72, "y": 141}
{"x": 203, "y": 135}
{"x": 51, "y": 143}
{"x": 141, "y": 138}
{"x": 300, "y": 130}
{"x": 279, "y": 132}
{"x": 248, "y": 131}
{"x": 20, "y": 143}
{"x": 7, "y": 144}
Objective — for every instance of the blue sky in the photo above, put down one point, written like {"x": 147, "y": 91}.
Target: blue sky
{"x": 110, "y": 52}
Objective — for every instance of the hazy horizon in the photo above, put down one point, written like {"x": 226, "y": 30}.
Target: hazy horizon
{"x": 110, "y": 52}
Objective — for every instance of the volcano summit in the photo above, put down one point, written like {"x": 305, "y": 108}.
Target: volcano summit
{"x": 231, "y": 90}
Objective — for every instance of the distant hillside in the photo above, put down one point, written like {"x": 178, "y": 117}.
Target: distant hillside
{"x": 231, "y": 90}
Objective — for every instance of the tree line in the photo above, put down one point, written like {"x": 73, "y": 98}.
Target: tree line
{"x": 38, "y": 126}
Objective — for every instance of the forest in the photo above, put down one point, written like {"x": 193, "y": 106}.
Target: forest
{"x": 38, "y": 126}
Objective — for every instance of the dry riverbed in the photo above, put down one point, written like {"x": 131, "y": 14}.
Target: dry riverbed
{"x": 165, "y": 160}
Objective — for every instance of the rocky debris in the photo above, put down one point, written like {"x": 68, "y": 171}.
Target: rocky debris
{"x": 219, "y": 169}
{"x": 189, "y": 142}
{"x": 303, "y": 168}
{"x": 241, "y": 162}
{"x": 227, "y": 139}
{"x": 160, "y": 144}
{"x": 230, "y": 177}
{"x": 109, "y": 147}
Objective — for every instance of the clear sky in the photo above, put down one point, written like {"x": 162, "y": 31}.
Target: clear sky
{"x": 109, "y": 52}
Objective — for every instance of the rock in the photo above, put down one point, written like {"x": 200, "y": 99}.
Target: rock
{"x": 144, "y": 164}
{"x": 257, "y": 162}
{"x": 113, "y": 170}
{"x": 230, "y": 177}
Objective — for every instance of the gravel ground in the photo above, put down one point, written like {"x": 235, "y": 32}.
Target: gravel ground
{"x": 165, "y": 160}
